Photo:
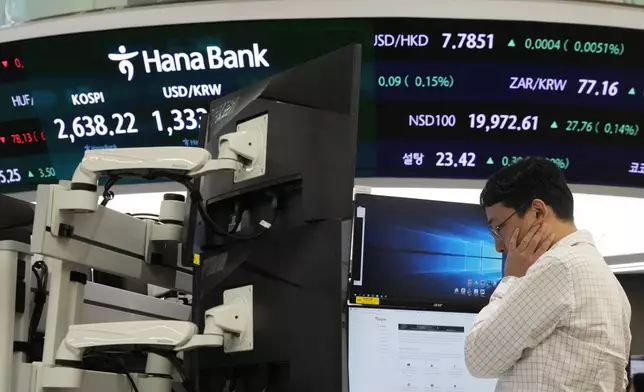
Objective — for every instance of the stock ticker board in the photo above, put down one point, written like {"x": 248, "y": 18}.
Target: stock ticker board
{"x": 439, "y": 99}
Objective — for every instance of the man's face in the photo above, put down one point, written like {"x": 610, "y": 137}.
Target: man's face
{"x": 505, "y": 220}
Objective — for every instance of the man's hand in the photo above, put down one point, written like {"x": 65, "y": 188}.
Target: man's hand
{"x": 520, "y": 257}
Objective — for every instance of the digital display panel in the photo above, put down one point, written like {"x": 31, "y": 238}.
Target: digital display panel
{"x": 422, "y": 254}
{"x": 394, "y": 350}
{"x": 440, "y": 98}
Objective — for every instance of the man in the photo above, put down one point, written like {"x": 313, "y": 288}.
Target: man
{"x": 559, "y": 319}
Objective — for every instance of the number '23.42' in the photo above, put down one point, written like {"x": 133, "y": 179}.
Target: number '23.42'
{"x": 466, "y": 159}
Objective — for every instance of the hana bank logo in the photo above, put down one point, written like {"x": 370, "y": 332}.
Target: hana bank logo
{"x": 125, "y": 65}
{"x": 213, "y": 58}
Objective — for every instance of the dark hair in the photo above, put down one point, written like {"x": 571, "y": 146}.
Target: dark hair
{"x": 515, "y": 186}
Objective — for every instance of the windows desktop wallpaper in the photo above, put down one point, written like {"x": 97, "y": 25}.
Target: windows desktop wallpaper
{"x": 420, "y": 250}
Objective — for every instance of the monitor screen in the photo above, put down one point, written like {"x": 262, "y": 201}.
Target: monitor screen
{"x": 394, "y": 350}
{"x": 637, "y": 365}
{"x": 422, "y": 253}
{"x": 441, "y": 98}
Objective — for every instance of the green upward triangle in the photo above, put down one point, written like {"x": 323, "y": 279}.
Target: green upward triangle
{"x": 554, "y": 125}
{"x": 490, "y": 161}
{"x": 511, "y": 44}
{"x": 31, "y": 174}
{"x": 631, "y": 91}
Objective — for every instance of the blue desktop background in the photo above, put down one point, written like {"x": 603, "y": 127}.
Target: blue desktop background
{"x": 422, "y": 250}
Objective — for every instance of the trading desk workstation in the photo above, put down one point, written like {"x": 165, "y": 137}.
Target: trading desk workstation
{"x": 295, "y": 283}
{"x": 266, "y": 251}
{"x": 275, "y": 194}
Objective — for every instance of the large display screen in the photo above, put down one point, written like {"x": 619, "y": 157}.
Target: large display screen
{"x": 422, "y": 254}
{"x": 440, "y": 98}
{"x": 404, "y": 350}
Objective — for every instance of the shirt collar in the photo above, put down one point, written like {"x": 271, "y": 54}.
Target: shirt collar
{"x": 578, "y": 237}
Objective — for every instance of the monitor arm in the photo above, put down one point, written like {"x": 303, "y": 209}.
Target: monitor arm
{"x": 238, "y": 151}
{"x": 189, "y": 162}
{"x": 229, "y": 326}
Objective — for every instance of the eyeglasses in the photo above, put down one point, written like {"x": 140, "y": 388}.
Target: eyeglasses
{"x": 496, "y": 230}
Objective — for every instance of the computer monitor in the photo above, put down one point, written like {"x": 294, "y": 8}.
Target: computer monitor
{"x": 636, "y": 365}
{"x": 422, "y": 254}
{"x": 285, "y": 230}
{"x": 16, "y": 219}
{"x": 394, "y": 350}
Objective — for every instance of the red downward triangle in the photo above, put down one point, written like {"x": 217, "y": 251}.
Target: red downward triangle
{"x": 2, "y": 139}
{"x": 5, "y": 64}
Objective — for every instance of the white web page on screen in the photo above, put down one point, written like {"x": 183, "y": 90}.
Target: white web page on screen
{"x": 410, "y": 351}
